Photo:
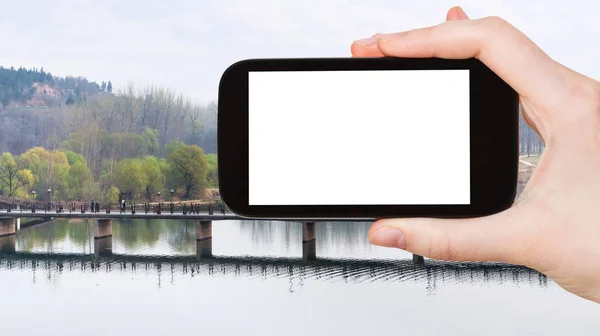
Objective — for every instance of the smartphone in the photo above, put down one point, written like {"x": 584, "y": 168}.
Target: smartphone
{"x": 366, "y": 138}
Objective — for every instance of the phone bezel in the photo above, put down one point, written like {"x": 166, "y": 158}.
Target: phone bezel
{"x": 494, "y": 132}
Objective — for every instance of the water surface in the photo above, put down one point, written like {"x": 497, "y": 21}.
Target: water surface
{"x": 258, "y": 284}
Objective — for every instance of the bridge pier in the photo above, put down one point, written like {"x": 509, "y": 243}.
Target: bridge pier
{"x": 8, "y": 244}
{"x": 309, "y": 241}
{"x": 8, "y": 227}
{"x": 203, "y": 239}
{"x": 103, "y": 228}
{"x": 418, "y": 260}
{"x": 103, "y": 237}
{"x": 103, "y": 247}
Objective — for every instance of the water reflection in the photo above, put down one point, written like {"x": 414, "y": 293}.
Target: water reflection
{"x": 432, "y": 274}
{"x": 153, "y": 283}
{"x": 246, "y": 249}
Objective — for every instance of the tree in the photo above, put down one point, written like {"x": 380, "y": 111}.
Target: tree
{"x": 150, "y": 137}
{"x": 73, "y": 158}
{"x": 155, "y": 180}
{"x": 111, "y": 195}
{"x": 109, "y": 87}
{"x": 213, "y": 171}
{"x": 15, "y": 178}
{"x": 190, "y": 167}
{"x": 170, "y": 181}
{"x": 50, "y": 168}
{"x": 108, "y": 174}
{"x": 172, "y": 146}
{"x": 210, "y": 141}
{"x": 80, "y": 182}
{"x": 196, "y": 133}
{"x": 103, "y": 86}
{"x": 131, "y": 178}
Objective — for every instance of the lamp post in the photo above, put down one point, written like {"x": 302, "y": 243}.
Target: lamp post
{"x": 158, "y": 209}
{"x": 172, "y": 205}
{"x": 33, "y": 204}
{"x": 49, "y": 206}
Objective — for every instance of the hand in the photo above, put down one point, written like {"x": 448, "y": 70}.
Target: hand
{"x": 554, "y": 227}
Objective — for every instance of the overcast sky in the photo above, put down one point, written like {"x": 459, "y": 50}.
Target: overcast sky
{"x": 187, "y": 44}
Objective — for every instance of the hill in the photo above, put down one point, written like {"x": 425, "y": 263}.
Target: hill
{"x": 84, "y": 141}
{"x": 33, "y": 87}
{"x": 40, "y": 109}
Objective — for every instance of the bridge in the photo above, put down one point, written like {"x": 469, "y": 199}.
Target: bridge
{"x": 204, "y": 215}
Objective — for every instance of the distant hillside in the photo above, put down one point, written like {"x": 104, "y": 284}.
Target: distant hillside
{"x": 36, "y": 88}
{"x": 40, "y": 109}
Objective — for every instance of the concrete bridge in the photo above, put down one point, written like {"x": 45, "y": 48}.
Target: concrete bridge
{"x": 103, "y": 238}
{"x": 203, "y": 214}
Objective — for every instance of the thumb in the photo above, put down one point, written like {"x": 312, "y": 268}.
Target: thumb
{"x": 498, "y": 237}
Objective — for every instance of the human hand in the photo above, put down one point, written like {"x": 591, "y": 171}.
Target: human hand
{"x": 554, "y": 227}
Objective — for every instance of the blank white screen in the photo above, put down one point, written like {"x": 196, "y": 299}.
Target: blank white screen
{"x": 359, "y": 137}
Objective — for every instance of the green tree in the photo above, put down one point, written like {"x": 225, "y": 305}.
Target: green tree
{"x": 155, "y": 179}
{"x": 80, "y": 181}
{"x": 172, "y": 146}
{"x": 190, "y": 167}
{"x": 169, "y": 179}
{"x": 109, "y": 86}
{"x": 73, "y": 158}
{"x": 50, "y": 169}
{"x": 131, "y": 178}
{"x": 151, "y": 139}
{"x": 213, "y": 171}
{"x": 111, "y": 195}
{"x": 108, "y": 174}
{"x": 15, "y": 177}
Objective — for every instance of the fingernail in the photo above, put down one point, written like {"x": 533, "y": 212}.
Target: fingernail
{"x": 368, "y": 41}
{"x": 388, "y": 237}
{"x": 461, "y": 13}
{"x": 393, "y": 36}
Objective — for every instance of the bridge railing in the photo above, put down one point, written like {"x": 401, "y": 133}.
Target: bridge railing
{"x": 180, "y": 207}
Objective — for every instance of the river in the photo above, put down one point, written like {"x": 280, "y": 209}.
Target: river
{"x": 258, "y": 284}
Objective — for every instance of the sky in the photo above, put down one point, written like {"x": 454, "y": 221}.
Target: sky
{"x": 186, "y": 45}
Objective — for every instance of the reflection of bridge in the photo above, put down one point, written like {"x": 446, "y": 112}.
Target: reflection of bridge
{"x": 103, "y": 233}
{"x": 103, "y": 238}
{"x": 292, "y": 268}
{"x": 203, "y": 214}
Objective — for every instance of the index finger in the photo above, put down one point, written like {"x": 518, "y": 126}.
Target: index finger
{"x": 368, "y": 47}
{"x": 499, "y": 45}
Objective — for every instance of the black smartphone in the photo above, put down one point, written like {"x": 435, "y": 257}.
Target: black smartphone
{"x": 366, "y": 138}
